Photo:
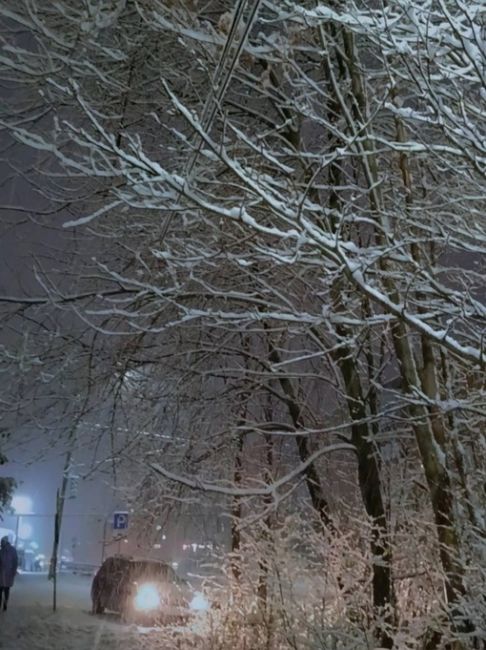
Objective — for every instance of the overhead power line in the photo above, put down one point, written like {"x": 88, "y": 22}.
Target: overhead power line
{"x": 219, "y": 86}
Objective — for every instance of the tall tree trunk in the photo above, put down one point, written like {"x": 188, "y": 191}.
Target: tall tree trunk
{"x": 263, "y": 562}
{"x": 312, "y": 478}
{"x": 369, "y": 477}
{"x": 262, "y": 589}
{"x": 439, "y": 476}
{"x": 435, "y": 468}
{"x": 236, "y": 510}
{"x": 371, "y": 492}
{"x": 431, "y": 453}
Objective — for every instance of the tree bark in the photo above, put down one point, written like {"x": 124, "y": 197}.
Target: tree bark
{"x": 431, "y": 453}
{"x": 371, "y": 492}
{"x": 236, "y": 511}
{"x": 312, "y": 479}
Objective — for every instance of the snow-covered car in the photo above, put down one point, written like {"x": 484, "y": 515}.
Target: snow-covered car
{"x": 143, "y": 591}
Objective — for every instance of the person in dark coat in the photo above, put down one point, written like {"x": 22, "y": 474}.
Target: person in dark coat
{"x": 8, "y": 570}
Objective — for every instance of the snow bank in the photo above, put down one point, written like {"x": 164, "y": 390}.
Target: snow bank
{"x": 31, "y": 628}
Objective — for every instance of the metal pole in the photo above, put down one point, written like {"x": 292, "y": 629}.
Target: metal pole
{"x": 103, "y": 541}
{"x": 61, "y": 496}
{"x": 17, "y": 530}
{"x": 53, "y": 568}
{"x": 60, "y": 499}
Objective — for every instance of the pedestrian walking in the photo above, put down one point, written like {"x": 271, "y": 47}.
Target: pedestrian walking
{"x": 8, "y": 570}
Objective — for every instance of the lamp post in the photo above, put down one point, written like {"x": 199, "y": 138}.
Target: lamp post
{"x": 103, "y": 541}
{"x": 60, "y": 500}
{"x": 17, "y": 529}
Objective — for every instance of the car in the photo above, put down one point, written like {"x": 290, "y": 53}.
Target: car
{"x": 142, "y": 591}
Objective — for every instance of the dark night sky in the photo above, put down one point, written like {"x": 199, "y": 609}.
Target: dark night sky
{"x": 27, "y": 239}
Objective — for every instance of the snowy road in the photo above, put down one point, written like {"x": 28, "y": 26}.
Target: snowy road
{"x": 34, "y": 589}
{"x": 30, "y": 624}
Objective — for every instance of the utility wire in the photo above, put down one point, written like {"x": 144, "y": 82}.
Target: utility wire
{"x": 221, "y": 91}
{"x": 218, "y": 89}
{"x": 237, "y": 17}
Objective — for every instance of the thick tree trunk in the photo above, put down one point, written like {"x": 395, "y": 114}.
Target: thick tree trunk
{"x": 432, "y": 454}
{"x": 437, "y": 473}
{"x": 368, "y": 468}
{"x": 371, "y": 493}
{"x": 458, "y": 454}
{"x": 433, "y": 459}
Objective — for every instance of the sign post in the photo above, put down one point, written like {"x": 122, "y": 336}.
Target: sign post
{"x": 120, "y": 520}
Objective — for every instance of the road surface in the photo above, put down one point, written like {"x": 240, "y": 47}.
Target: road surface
{"x": 30, "y": 623}
{"x": 34, "y": 589}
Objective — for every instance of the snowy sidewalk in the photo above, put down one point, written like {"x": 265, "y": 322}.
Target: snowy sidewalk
{"x": 30, "y": 624}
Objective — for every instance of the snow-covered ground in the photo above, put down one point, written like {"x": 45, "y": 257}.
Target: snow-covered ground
{"x": 30, "y": 623}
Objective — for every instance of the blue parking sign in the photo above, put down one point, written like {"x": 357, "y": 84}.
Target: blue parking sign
{"x": 120, "y": 520}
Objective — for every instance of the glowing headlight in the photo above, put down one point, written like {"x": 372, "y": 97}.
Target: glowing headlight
{"x": 147, "y": 598}
{"x": 199, "y": 603}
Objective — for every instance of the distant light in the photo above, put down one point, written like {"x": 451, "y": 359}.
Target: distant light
{"x": 157, "y": 546}
{"x": 25, "y": 530}
{"x": 159, "y": 527}
{"x": 34, "y": 545}
{"x": 164, "y": 537}
{"x": 22, "y": 505}
{"x": 175, "y": 565}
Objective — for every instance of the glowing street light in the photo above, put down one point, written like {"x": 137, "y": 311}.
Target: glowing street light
{"x": 22, "y": 505}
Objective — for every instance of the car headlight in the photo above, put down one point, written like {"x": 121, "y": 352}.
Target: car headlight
{"x": 199, "y": 603}
{"x": 147, "y": 598}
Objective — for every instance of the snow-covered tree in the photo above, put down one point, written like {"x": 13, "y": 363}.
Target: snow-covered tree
{"x": 285, "y": 200}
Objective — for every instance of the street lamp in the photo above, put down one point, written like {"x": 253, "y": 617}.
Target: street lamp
{"x": 22, "y": 505}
